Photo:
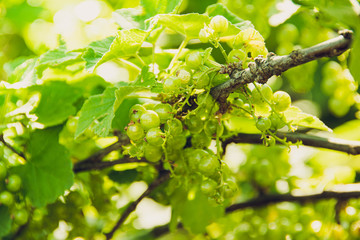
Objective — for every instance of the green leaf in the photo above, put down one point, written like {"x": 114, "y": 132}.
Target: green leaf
{"x": 95, "y": 51}
{"x": 56, "y": 102}
{"x": 24, "y": 74}
{"x": 129, "y": 18}
{"x": 57, "y": 58}
{"x": 299, "y": 118}
{"x": 126, "y": 44}
{"x": 220, "y": 9}
{"x": 147, "y": 79}
{"x": 153, "y": 8}
{"x": 5, "y": 221}
{"x": 121, "y": 118}
{"x": 199, "y": 212}
{"x": 188, "y": 25}
{"x": 48, "y": 171}
{"x": 99, "y": 111}
{"x": 122, "y": 93}
{"x": 355, "y": 57}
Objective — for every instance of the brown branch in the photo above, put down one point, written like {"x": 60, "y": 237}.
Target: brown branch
{"x": 99, "y": 165}
{"x": 20, "y": 154}
{"x": 262, "y": 69}
{"x": 161, "y": 179}
{"x": 265, "y": 200}
{"x": 347, "y": 146}
{"x": 98, "y": 156}
{"x": 271, "y": 199}
{"x": 94, "y": 161}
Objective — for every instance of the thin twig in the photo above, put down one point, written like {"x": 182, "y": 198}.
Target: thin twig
{"x": 347, "y": 146}
{"x": 271, "y": 199}
{"x": 161, "y": 179}
{"x": 262, "y": 69}
{"x": 99, "y": 165}
{"x": 99, "y": 155}
{"x": 20, "y": 154}
{"x": 265, "y": 200}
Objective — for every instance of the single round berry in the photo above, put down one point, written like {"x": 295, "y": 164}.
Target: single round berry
{"x": 282, "y": 101}
{"x": 149, "y": 119}
{"x": 174, "y": 126}
{"x": 193, "y": 60}
{"x": 208, "y": 187}
{"x": 213, "y": 128}
{"x": 229, "y": 189}
{"x": 172, "y": 84}
{"x": 263, "y": 124}
{"x": 136, "y": 111}
{"x": 184, "y": 76}
{"x": 200, "y": 140}
{"x": 13, "y": 183}
{"x": 193, "y": 157}
{"x": 277, "y": 121}
{"x": 176, "y": 142}
{"x": 164, "y": 111}
{"x": 205, "y": 100}
{"x": 194, "y": 124}
{"x": 135, "y": 132}
{"x": 21, "y": 217}
{"x": 155, "y": 137}
{"x": 201, "y": 80}
{"x": 208, "y": 165}
{"x": 6, "y": 198}
{"x": 219, "y": 24}
{"x": 152, "y": 153}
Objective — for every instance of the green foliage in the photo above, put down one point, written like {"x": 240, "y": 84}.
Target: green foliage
{"x": 48, "y": 173}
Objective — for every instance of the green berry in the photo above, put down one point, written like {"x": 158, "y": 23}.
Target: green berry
{"x": 164, "y": 111}
{"x": 136, "y": 111}
{"x": 152, "y": 153}
{"x": 200, "y": 140}
{"x": 184, "y": 76}
{"x": 6, "y": 198}
{"x": 174, "y": 126}
{"x": 194, "y": 124}
{"x": 208, "y": 165}
{"x": 263, "y": 124}
{"x": 172, "y": 84}
{"x": 13, "y": 183}
{"x": 213, "y": 128}
{"x": 149, "y": 119}
{"x": 201, "y": 80}
{"x": 282, "y": 101}
{"x": 21, "y": 217}
{"x": 208, "y": 187}
{"x": 193, "y": 60}
{"x": 155, "y": 137}
{"x": 219, "y": 24}
{"x": 135, "y": 132}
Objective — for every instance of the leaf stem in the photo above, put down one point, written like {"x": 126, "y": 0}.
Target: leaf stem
{"x": 176, "y": 56}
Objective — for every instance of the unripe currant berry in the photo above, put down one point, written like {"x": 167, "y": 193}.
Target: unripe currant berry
{"x": 219, "y": 24}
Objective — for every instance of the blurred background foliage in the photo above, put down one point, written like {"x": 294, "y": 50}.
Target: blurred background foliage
{"x": 324, "y": 88}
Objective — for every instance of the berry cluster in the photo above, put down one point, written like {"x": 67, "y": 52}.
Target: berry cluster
{"x": 10, "y": 197}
